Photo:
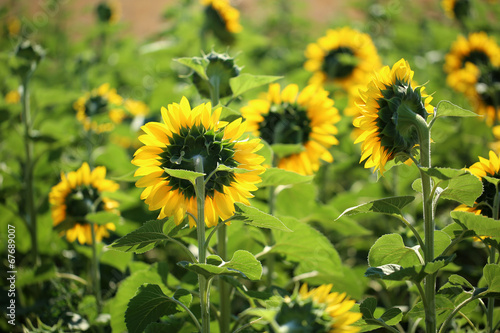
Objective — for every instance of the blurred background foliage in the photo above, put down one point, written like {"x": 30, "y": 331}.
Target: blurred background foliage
{"x": 140, "y": 66}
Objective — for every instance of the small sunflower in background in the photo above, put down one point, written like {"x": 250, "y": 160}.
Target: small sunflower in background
{"x": 343, "y": 56}
{"x": 467, "y": 58}
{"x": 187, "y": 134}
{"x": 13, "y": 26}
{"x": 388, "y": 94}
{"x": 108, "y": 12}
{"x": 78, "y": 194}
{"x": 316, "y": 310}
{"x": 486, "y": 201}
{"x": 288, "y": 117}
{"x": 12, "y": 97}
{"x": 221, "y": 19}
{"x": 456, "y": 9}
{"x": 485, "y": 98}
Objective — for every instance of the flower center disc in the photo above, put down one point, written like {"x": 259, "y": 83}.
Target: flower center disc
{"x": 339, "y": 63}
{"x": 210, "y": 145}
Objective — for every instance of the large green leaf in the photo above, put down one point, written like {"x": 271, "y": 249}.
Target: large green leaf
{"x": 443, "y": 308}
{"x": 276, "y": 176}
{"x": 242, "y": 264}
{"x": 101, "y": 218}
{"x": 448, "y": 109}
{"x": 252, "y": 216}
{"x": 150, "y": 304}
{"x": 481, "y": 225}
{"x": 286, "y": 149}
{"x": 127, "y": 289}
{"x": 184, "y": 174}
{"x": 307, "y": 247}
{"x": 369, "y": 321}
{"x": 390, "y": 206}
{"x": 491, "y": 273}
{"x": 149, "y": 235}
{"x": 390, "y": 249}
{"x": 464, "y": 189}
{"x": 245, "y": 82}
{"x": 443, "y": 173}
{"x": 198, "y": 64}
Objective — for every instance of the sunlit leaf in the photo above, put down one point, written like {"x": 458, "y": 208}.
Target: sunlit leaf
{"x": 245, "y": 82}
{"x": 491, "y": 273}
{"x": 481, "y": 225}
{"x": 390, "y": 249}
{"x": 448, "y": 109}
{"x": 242, "y": 264}
{"x": 184, "y": 174}
{"x": 197, "y": 64}
{"x": 252, "y": 216}
{"x": 464, "y": 189}
{"x": 276, "y": 176}
{"x": 389, "y": 206}
{"x": 443, "y": 308}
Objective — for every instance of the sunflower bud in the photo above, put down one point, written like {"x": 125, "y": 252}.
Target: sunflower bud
{"x": 28, "y": 56}
{"x": 219, "y": 69}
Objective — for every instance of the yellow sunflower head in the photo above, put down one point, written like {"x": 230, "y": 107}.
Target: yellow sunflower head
{"x": 13, "y": 97}
{"x": 485, "y": 97}
{"x": 13, "y": 26}
{"x": 318, "y": 310}
{"x": 108, "y": 12}
{"x": 78, "y": 194}
{"x": 307, "y": 118}
{"x": 222, "y": 19}
{"x": 467, "y": 58}
{"x": 485, "y": 202}
{"x": 344, "y": 56}
{"x": 100, "y": 109}
{"x": 456, "y": 9}
{"x": 388, "y": 99}
{"x": 187, "y": 134}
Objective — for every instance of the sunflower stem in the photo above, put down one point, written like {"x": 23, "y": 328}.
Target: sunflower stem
{"x": 429, "y": 226}
{"x": 202, "y": 280}
{"x": 270, "y": 260}
{"x": 492, "y": 259}
{"x": 96, "y": 276}
{"x": 224, "y": 288}
{"x": 29, "y": 168}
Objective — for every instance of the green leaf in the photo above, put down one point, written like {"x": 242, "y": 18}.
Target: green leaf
{"x": 184, "y": 174}
{"x": 101, "y": 218}
{"x": 492, "y": 180}
{"x": 228, "y": 114}
{"x": 257, "y": 218}
{"x": 197, "y": 64}
{"x": 392, "y": 316}
{"x": 441, "y": 242}
{"x": 390, "y": 249}
{"x": 448, "y": 109}
{"x": 150, "y": 304}
{"x": 31, "y": 276}
{"x": 390, "y": 206}
{"x": 443, "y": 308}
{"x": 310, "y": 249}
{"x": 242, "y": 264}
{"x": 464, "y": 189}
{"x": 149, "y": 235}
{"x": 245, "y": 82}
{"x": 491, "y": 273}
{"x": 222, "y": 167}
{"x": 367, "y": 307}
{"x": 481, "y": 225}
{"x": 286, "y": 149}
{"x": 443, "y": 173}
{"x": 276, "y": 176}
{"x": 127, "y": 289}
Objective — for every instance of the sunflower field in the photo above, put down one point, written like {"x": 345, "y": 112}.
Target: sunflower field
{"x": 250, "y": 166}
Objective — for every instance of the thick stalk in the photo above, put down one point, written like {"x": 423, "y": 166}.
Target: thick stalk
{"x": 200, "y": 226}
{"x": 224, "y": 288}
{"x": 492, "y": 259}
{"x": 96, "y": 274}
{"x": 270, "y": 259}
{"x": 29, "y": 168}
{"x": 428, "y": 211}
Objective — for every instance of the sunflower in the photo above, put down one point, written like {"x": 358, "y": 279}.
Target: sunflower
{"x": 13, "y": 97}
{"x": 108, "y": 12}
{"x": 485, "y": 97}
{"x": 78, "y": 194}
{"x": 100, "y": 109}
{"x": 222, "y": 19}
{"x": 290, "y": 117}
{"x": 466, "y": 59}
{"x": 319, "y": 310}
{"x": 343, "y": 56}
{"x": 485, "y": 202}
{"x": 185, "y": 134}
{"x": 389, "y": 93}
{"x": 458, "y": 9}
